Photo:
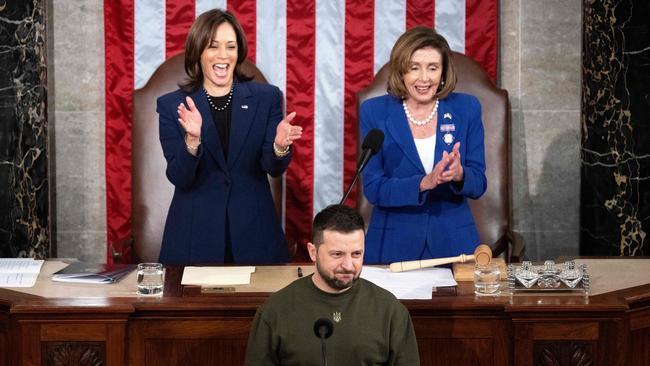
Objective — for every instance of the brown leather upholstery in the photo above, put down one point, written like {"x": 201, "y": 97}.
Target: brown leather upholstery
{"x": 152, "y": 192}
{"x": 492, "y": 211}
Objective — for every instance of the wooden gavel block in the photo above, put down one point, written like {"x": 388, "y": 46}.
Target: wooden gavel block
{"x": 482, "y": 255}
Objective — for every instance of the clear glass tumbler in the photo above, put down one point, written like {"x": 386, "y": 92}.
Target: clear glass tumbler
{"x": 486, "y": 279}
{"x": 151, "y": 279}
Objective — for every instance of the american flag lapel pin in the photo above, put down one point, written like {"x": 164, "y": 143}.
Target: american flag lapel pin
{"x": 244, "y": 106}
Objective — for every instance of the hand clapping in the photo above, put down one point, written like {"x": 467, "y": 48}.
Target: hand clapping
{"x": 190, "y": 120}
{"x": 286, "y": 133}
{"x": 448, "y": 169}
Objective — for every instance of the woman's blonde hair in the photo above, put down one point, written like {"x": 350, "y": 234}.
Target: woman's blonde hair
{"x": 400, "y": 56}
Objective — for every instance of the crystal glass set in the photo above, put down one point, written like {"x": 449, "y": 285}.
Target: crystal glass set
{"x": 549, "y": 276}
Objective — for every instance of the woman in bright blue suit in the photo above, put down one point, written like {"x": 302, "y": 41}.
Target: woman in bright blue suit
{"x": 432, "y": 159}
{"x": 221, "y": 135}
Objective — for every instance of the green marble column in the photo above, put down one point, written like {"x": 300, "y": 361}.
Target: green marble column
{"x": 615, "y": 152}
{"x": 23, "y": 130}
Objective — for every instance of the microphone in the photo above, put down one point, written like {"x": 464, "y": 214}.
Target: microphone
{"x": 370, "y": 146}
{"x": 323, "y": 328}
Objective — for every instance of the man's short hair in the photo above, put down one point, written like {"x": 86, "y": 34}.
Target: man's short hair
{"x": 339, "y": 218}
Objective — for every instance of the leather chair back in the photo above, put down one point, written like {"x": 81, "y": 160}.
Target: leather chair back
{"x": 152, "y": 192}
{"x": 492, "y": 211}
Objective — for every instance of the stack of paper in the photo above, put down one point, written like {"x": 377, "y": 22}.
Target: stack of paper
{"x": 417, "y": 284}
{"x": 217, "y": 276}
{"x": 19, "y": 272}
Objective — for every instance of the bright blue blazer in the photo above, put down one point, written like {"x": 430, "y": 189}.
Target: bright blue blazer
{"x": 407, "y": 224}
{"x": 208, "y": 186}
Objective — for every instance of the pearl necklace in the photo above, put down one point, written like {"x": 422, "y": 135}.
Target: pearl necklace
{"x": 426, "y": 120}
{"x": 227, "y": 103}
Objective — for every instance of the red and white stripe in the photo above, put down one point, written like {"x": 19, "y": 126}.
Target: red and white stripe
{"x": 319, "y": 53}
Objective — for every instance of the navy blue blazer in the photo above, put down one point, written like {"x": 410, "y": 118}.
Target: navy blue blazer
{"x": 407, "y": 224}
{"x": 208, "y": 187}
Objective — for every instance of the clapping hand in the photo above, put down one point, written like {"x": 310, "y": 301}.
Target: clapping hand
{"x": 454, "y": 171}
{"x": 447, "y": 169}
{"x": 286, "y": 133}
{"x": 190, "y": 120}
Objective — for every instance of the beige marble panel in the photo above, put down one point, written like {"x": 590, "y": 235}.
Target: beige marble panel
{"x": 509, "y": 72}
{"x": 77, "y": 71}
{"x": 80, "y": 144}
{"x": 550, "y": 54}
{"x": 88, "y": 246}
{"x": 544, "y": 245}
{"x": 80, "y": 185}
{"x": 549, "y": 202}
{"x": 519, "y": 174}
{"x": 78, "y": 55}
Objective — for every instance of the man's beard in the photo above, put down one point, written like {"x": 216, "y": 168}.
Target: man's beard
{"x": 335, "y": 283}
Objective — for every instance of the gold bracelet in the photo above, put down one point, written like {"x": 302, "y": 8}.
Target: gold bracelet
{"x": 189, "y": 147}
{"x": 281, "y": 153}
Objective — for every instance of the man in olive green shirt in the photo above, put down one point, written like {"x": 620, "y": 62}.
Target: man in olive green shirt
{"x": 371, "y": 327}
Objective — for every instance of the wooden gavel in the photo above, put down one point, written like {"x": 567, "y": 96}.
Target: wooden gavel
{"x": 482, "y": 255}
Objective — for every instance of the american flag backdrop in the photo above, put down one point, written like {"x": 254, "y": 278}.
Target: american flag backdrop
{"x": 319, "y": 53}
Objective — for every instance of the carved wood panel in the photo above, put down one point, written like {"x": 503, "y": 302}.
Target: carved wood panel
{"x": 467, "y": 352}
{"x": 638, "y": 352}
{"x": 4, "y": 342}
{"x": 195, "y": 352}
{"x": 73, "y": 353}
{"x": 556, "y": 353}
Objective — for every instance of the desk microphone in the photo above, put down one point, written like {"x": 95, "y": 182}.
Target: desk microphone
{"x": 371, "y": 145}
{"x": 323, "y": 328}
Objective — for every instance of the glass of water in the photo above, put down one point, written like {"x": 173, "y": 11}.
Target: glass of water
{"x": 151, "y": 279}
{"x": 486, "y": 279}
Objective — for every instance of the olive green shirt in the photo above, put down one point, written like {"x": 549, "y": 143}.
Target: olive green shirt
{"x": 371, "y": 327}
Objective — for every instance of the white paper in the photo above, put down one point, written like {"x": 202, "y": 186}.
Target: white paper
{"x": 217, "y": 276}
{"x": 19, "y": 272}
{"x": 20, "y": 265}
{"x": 417, "y": 284}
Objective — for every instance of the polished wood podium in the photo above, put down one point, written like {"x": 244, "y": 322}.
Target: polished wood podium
{"x": 71, "y": 324}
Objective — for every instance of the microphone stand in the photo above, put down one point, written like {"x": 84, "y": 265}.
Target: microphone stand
{"x": 365, "y": 156}
{"x": 323, "y": 348}
{"x": 323, "y": 328}
{"x": 354, "y": 180}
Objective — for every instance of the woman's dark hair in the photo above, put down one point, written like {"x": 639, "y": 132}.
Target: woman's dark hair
{"x": 199, "y": 38}
{"x": 339, "y": 218}
{"x": 400, "y": 56}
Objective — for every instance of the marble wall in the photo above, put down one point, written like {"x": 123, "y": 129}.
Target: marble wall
{"x": 77, "y": 111}
{"x": 540, "y": 67}
{"x": 615, "y": 204}
{"x": 24, "y": 191}
{"x": 540, "y": 45}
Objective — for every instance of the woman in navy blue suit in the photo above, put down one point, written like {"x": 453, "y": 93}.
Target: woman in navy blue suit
{"x": 221, "y": 135}
{"x": 432, "y": 159}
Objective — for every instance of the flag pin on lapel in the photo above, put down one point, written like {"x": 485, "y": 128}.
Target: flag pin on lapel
{"x": 244, "y": 106}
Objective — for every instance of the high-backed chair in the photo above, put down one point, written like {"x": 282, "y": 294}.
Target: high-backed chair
{"x": 152, "y": 192}
{"x": 492, "y": 212}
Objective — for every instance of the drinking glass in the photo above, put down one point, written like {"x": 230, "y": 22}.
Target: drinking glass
{"x": 151, "y": 279}
{"x": 486, "y": 279}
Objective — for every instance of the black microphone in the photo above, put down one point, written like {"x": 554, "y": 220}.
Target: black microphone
{"x": 323, "y": 328}
{"x": 371, "y": 145}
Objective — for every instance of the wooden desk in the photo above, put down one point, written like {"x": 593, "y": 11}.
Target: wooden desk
{"x": 56, "y": 324}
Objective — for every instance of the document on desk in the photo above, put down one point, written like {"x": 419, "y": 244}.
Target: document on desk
{"x": 217, "y": 276}
{"x": 19, "y": 272}
{"x": 417, "y": 284}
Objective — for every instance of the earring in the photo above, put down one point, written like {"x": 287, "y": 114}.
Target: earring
{"x": 442, "y": 82}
